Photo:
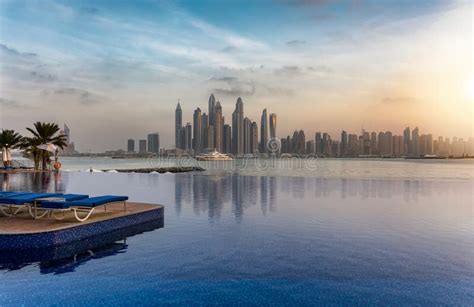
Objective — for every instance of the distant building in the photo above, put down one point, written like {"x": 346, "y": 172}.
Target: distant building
{"x": 415, "y": 142}
{"x": 247, "y": 136}
{"x": 154, "y": 143}
{"x": 407, "y": 142}
{"x": 205, "y": 131}
{"x": 70, "y": 147}
{"x": 344, "y": 143}
{"x": 142, "y": 146}
{"x": 218, "y": 127}
{"x": 178, "y": 125}
{"x": 238, "y": 128}
{"x": 254, "y": 138}
{"x": 189, "y": 137}
{"x": 318, "y": 143}
{"x": 197, "y": 131}
{"x": 263, "y": 132}
{"x": 227, "y": 140}
{"x": 273, "y": 125}
{"x": 130, "y": 145}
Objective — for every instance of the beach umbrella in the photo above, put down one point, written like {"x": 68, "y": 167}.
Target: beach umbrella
{"x": 9, "y": 154}
{"x": 4, "y": 155}
{"x": 48, "y": 147}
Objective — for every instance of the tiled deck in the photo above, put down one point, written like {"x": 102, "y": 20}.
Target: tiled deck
{"x": 24, "y": 224}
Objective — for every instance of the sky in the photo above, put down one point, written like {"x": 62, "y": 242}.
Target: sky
{"x": 114, "y": 70}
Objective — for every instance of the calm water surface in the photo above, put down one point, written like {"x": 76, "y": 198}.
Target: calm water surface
{"x": 233, "y": 239}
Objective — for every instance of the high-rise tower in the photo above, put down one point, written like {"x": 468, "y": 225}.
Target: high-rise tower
{"x": 238, "y": 128}
{"x": 211, "y": 111}
{"x": 218, "y": 128}
{"x": 273, "y": 125}
{"x": 263, "y": 132}
{"x": 178, "y": 124}
{"x": 197, "y": 131}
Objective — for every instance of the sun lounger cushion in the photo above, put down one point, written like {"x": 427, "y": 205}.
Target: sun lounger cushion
{"x": 87, "y": 202}
{"x": 27, "y": 198}
{"x": 13, "y": 194}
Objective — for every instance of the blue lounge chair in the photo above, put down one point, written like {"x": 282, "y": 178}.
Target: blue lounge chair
{"x": 86, "y": 205}
{"x": 21, "y": 201}
{"x": 60, "y": 199}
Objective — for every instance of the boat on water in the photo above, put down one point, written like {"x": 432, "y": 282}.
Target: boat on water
{"x": 213, "y": 156}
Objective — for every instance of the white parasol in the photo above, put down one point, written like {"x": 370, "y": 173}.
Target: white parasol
{"x": 48, "y": 147}
{"x": 4, "y": 155}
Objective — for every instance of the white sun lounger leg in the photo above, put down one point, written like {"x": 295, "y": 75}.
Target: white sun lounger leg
{"x": 4, "y": 212}
{"x": 58, "y": 218}
{"x": 83, "y": 218}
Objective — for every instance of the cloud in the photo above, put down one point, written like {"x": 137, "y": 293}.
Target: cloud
{"x": 9, "y": 103}
{"x": 13, "y": 52}
{"x": 296, "y": 43}
{"x": 319, "y": 69}
{"x": 41, "y": 76}
{"x": 288, "y": 70}
{"x": 225, "y": 79}
{"x": 232, "y": 86}
{"x": 84, "y": 97}
{"x": 230, "y": 49}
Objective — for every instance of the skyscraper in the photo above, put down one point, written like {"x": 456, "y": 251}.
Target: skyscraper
{"x": 238, "y": 128}
{"x": 406, "y": 141}
{"x": 344, "y": 143}
{"x": 318, "y": 143}
{"x": 373, "y": 143}
{"x": 205, "y": 131}
{"x": 273, "y": 125}
{"x": 178, "y": 123}
{"x": 247, "y": 135}
{"x": 218, "y": 127}
{"x": 415, "y": 142}
{"x": 197, "y": 131}
{"x": 211, "y": 110}
{"x": 227, "y": 139}
{"x": 142, "y": 146}
{"x": 264, "y": 131}
{"x": 189, "y": 137}
{"x": 131, "y": 145}
{"x": 154, "y": 143}
{"x": 210, "y": 137}
{"x": 254, "y": 138}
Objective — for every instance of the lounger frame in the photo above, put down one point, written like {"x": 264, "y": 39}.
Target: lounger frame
{"x": 52, "y": 212}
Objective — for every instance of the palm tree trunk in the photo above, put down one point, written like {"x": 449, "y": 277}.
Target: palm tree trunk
{"x": 44, "y": 160}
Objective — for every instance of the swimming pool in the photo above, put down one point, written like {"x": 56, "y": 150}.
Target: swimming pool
{"x": 233, "y": 240}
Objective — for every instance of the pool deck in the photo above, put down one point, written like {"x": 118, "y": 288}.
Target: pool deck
{"x": 22, "y": 231}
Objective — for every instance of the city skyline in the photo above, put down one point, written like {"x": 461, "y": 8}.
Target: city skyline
{"x": 209, "y": 131}
{"x": 323, "y": 69}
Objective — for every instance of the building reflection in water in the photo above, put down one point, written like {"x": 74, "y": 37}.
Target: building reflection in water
{"x": 212, "y": 193}
{"x": 34, "y": 181}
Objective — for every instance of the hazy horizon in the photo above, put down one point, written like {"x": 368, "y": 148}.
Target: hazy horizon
{"x": 114, "y": 71}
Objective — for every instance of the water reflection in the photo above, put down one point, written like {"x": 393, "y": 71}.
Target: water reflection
{"x": 211, "y": 194}
{"x": 35, "y": 182}
{"x": 67, "y": 258}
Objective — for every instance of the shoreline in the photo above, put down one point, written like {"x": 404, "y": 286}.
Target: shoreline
{"x": 161, "y": 170}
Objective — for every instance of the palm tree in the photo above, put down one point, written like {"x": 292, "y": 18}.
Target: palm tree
{"x": 10, "y": 139}
{"x": 45, "y": 133}
{"x": 30, "y": 144}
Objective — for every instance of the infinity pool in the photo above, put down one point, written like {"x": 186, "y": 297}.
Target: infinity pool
{"x": 233, "y": 240}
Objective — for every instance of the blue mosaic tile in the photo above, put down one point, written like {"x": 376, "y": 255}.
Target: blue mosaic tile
{"x": 80, "y": 232}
